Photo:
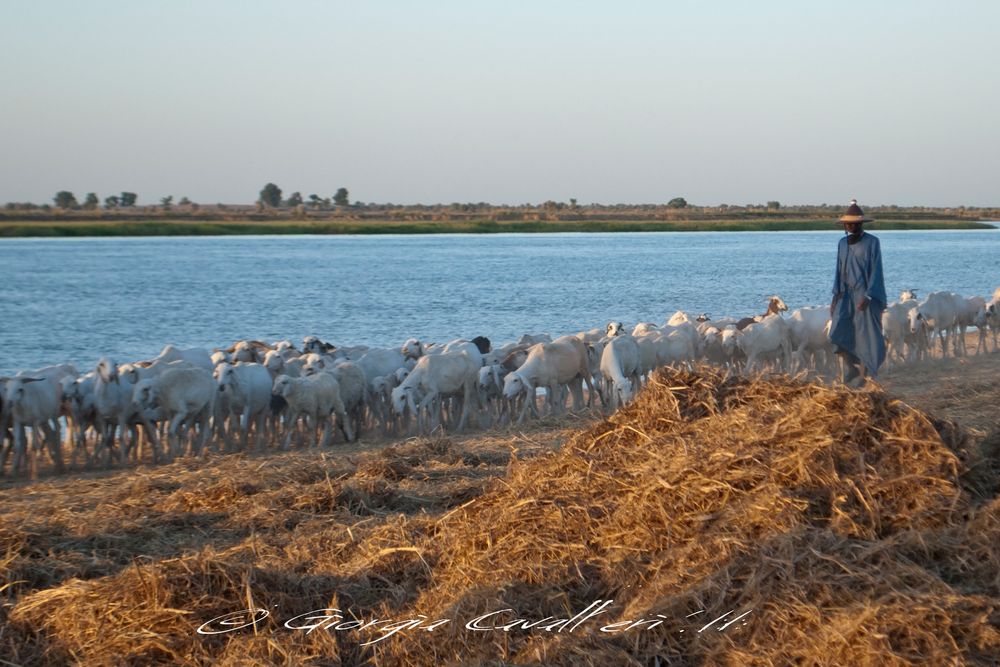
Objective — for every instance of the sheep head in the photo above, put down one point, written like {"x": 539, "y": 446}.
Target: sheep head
{"x": 399, "y": 398}
{"x": 515, "y": 384}
{"x": 282, "y": 386}
{"x": 107, "y": 370}
{"x": 412, "y": 349}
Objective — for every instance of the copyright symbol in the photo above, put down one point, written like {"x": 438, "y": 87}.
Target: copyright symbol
{"x": 233, "y": 621}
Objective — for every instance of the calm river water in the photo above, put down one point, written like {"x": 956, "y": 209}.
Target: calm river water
{"x": 79, "y": 299}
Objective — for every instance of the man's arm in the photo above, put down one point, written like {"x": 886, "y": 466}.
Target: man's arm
{"x": 836, "y": 282}
{"x": 876, "y": 281}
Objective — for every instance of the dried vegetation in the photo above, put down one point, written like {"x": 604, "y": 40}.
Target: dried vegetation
{"x": 854, "y": 529}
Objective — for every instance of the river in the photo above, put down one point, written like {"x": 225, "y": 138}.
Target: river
{"x": 77, "y": 300}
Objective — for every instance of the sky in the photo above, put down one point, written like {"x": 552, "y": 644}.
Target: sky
{"x": 512, "y": 102}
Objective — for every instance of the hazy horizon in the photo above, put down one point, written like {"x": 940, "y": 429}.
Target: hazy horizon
{"x": 507, "y": 103}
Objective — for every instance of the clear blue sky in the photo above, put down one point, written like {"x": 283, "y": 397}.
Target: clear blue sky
{"x": 507, "y": 102}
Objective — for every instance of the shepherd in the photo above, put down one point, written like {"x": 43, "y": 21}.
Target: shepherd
{"x": 858, "y": 300}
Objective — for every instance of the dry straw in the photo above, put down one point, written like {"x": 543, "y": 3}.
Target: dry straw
{"x": 856, "y": 531}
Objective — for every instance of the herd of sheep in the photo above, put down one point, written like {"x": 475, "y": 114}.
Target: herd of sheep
{"x": 190, "y": 401}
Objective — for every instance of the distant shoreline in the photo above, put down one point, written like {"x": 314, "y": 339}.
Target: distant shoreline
{"x": 154, "y": 227}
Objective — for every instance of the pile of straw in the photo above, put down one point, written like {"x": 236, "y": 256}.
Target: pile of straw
{"x": 852, "y": 528}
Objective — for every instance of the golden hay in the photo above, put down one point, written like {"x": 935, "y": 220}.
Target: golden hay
{"x": 848, "y": 527}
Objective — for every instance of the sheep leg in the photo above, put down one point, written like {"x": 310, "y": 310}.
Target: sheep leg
{"x": 174, "y": 433}
{"x": 244, "y": 426}
{"x": 20, "y": 445}
{"x": 425, "y": 406}
{"x": 8, "y": 444}
{"x": 311, "y": 430}
{"x": 79, "y": 435}
{"x": 292, "y": 417}
{"x": 528, "y": 398}
{"x": 51, "y": 432}
{"x": 576, "y": 388}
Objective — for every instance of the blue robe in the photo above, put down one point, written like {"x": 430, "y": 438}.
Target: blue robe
{"x": 859, "y": 274}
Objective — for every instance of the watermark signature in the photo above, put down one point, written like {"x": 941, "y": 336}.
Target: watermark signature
{"x": 501, "y": 620}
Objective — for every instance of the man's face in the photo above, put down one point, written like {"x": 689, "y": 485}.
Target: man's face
{"x": 853, "y": 228}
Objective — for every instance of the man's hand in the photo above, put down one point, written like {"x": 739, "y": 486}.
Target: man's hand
{"x": 863, "y": 304}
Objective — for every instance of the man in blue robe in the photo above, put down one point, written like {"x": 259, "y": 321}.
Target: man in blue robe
{"x": 858, "y": 300}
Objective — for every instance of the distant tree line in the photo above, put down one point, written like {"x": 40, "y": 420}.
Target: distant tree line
{"x": 270, "y": 196}
{"x": 272, "y": 203}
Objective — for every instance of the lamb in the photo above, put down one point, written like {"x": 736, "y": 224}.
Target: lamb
{"x": 772, "y": 335}
{"x": 113, "y": 404}
{"x": 33, "y": 400}
{"x": 983, "y": 327}
{"x": 594, "y": 352}
{"x": 809, "y": 329}
{"x": 184, "y": 396}
{"x": 939, "y": 311}
{"x": 490, "y": 388}
{"x": 966, "y": 308}
{"x": 315, "y": 397}
{"x": 734, "y": 355}
{"x": 900, "y": 342}
{"x": 434, "y": 377}
{"x": 620, "y": 369}
{"x": 246, "y": 389}
{"x": 551, "y": 365}
{"x": 380, "y": 400}
{"x": 78, "y": 399}
{"x": 918, "y": 342}
{"x": 353, "y": 393}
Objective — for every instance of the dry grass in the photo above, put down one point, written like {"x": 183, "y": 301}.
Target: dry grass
{"x": 854, "y": 528}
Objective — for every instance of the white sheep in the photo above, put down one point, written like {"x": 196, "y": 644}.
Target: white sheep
{"x": 900, "y": 342}
{"x": 184, "y": 397}
{"x": 33, "y": 399}
{"x": 769, "y": 336}
{"x": 620, "y": 369}
{"x": 314, "y": 397}
{"x": 809, "y": 329}
{"x": 433, "y": 378}
{"x": 940, "y": 313}
{"x": 246, "y": 389}
{"x": 551, "y": 365}
{"x": 113, "y": 404}
{"x": 354, "y": 393}
{"x": 967, "y": 308}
